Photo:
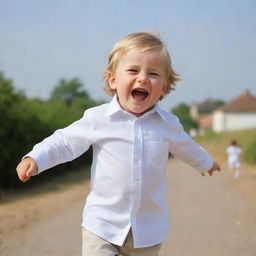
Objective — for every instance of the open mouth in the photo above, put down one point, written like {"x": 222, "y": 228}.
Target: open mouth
{"x": 139, "y": 94}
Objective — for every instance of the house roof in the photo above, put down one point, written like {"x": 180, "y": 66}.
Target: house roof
{"x": 246, "y": 102}
{"x": 206, "y": 106}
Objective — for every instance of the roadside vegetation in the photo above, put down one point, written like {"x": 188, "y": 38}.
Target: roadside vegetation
{"x": 182, "y": 112}
{"x": 25, "y": 122}
{"x": 217, "y": 143}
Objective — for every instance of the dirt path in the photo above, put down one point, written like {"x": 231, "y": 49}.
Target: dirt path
{"x": 213, "y": 216}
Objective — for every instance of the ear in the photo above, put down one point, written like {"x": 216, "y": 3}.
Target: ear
{"x": 112, "y": 82}
{"x": 163, "y": 90}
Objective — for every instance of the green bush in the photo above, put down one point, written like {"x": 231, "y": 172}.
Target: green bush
{"x": 182, "y": 112}
{"x": 19, "y": 129}
{"x": 249, "y": 154}
{"x": 25, "y": 122}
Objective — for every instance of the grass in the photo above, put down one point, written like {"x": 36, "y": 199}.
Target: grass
{"x": 216, "y": 144}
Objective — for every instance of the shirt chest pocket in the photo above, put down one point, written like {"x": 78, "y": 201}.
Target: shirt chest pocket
{"x": 156, "y": 153}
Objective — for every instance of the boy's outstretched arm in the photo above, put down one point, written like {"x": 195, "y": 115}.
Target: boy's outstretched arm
{"x": 214, "y": 168}
{"x": 26, "y": 168}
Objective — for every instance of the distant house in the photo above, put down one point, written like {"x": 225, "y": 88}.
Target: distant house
{"x": 238, "y": 114}
{"x": 202, "y": 113}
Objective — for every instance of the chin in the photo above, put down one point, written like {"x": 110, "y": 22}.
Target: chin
{"x": 139, "y": 113}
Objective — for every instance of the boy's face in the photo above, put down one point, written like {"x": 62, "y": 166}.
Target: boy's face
{"x": 139, "y": 80}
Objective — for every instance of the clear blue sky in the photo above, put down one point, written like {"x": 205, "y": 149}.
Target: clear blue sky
{"x": 212, "y": 43}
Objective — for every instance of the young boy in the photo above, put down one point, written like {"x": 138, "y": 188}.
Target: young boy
{"x": 126, "y": 211}
{"x": 234, "y": 152}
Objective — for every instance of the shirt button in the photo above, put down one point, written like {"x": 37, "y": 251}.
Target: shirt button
{"x": 136, "y": 160}
{"x": 133, "y": 214}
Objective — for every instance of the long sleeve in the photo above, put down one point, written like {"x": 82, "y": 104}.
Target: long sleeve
{"x": 184, "y": 148}
{"x": 64, "y": 144}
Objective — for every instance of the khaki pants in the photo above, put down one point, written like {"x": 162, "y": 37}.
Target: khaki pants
{"x": 96, "y": 246}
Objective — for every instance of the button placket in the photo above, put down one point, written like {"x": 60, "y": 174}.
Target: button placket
{"x": 136, "y": 167}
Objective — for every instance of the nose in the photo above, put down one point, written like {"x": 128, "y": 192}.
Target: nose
{"x": 142, "y": 77}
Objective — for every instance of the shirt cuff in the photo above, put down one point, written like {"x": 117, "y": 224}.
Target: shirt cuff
{"x": 39, "y": 161}
{"x": 206, "y": 165}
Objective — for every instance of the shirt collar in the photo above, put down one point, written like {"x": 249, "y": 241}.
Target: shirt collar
{"x": 161, "y": 113}
{"x": 114, "y": 108}
{"x": 156, "y": 109}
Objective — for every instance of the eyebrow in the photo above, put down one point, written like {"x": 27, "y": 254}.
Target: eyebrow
{"x": 157, "y": 69}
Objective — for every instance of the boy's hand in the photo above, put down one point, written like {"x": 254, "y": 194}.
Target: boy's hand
{"x": 26, "y": 168}
{"x": 214, "y": 168}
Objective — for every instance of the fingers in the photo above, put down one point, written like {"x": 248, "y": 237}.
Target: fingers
{"x": 210, "y": 172}
{"x": 26, "y": 168}
{"x": 31, "y": 171}
{"x": 216, "y": 167}
{"x": 22, "y": 169}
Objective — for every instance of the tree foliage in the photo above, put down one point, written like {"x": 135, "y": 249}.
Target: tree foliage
{"x": 182, "y": 112}
{"x": 19, "y": 129}
{"x": 25, "y": 122}
{"x": 67, "y": 90}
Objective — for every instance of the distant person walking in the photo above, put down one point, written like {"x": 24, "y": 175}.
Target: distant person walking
{"x": 234, "y": 152}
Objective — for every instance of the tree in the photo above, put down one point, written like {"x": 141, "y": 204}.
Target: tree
{"x": 25, "y": 122}
{"x": 19, "y": 130}
{"x": 67, "y": 90}
{"x": 182, "y": 112}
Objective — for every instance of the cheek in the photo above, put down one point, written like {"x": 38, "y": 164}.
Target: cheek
{"x": 122, "y": 90}
{"x": 160, "y": 90}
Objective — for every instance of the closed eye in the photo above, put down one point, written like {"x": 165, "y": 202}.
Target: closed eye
{"x": 132, "y": 70}
{"x": 154, "y": 74}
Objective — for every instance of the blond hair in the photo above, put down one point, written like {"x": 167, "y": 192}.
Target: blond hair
{"x": 143, "y": 41}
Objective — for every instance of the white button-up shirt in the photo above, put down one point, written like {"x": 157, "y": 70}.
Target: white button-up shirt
{"x": 128, "y": 172}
